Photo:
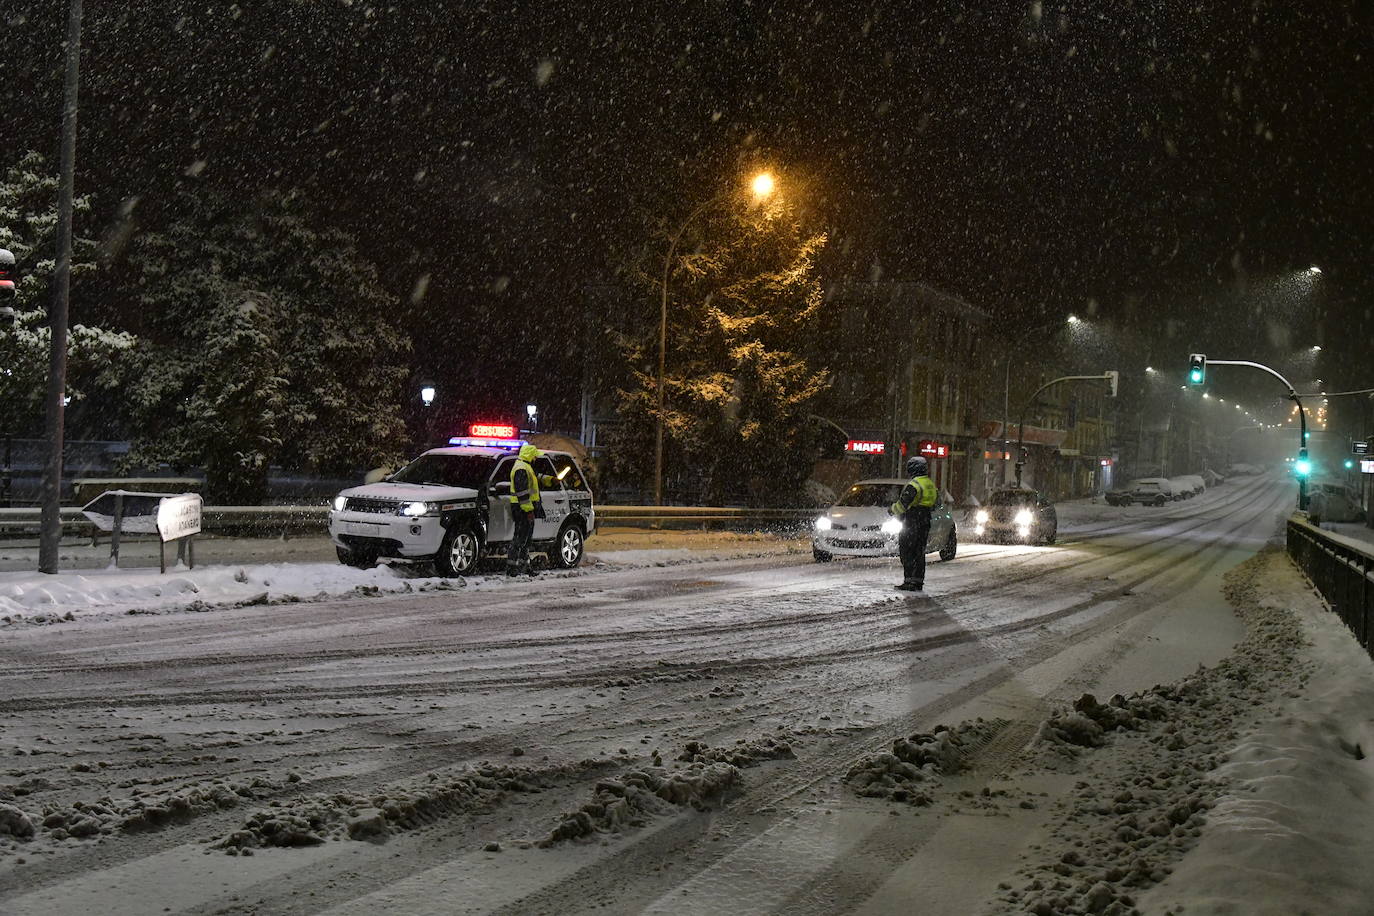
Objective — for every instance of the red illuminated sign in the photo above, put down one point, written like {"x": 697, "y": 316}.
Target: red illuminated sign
{"x": 865, "y": 447}
{"x": 493, "y": 430}
{"x": 932, "y": 449}
{"x": 1106, "y": 462}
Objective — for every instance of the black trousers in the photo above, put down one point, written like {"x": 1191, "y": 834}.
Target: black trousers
{"x": 911, "y": 545}
{"x": 518, "y": 557}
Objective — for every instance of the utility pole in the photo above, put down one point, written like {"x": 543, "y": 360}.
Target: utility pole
{"x": 50, "y": 537}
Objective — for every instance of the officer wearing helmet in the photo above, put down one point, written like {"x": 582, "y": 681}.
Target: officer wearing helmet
{"x": 913, "y": 507}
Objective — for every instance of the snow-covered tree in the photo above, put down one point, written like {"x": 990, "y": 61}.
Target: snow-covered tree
{"x": 269, "y": 342}
{"x": 744, "y": 295}
{"x": 28, "y": 228}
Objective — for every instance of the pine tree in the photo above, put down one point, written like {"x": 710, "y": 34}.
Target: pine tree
{"x": 738, "y": 388}
{"x": 270, "y": 342}
{"x": 28, "y": 228}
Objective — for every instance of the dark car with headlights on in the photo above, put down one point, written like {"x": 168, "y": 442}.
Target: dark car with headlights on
{"x": 1017, "y": 514}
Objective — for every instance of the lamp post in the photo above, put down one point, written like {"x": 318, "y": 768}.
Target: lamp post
{"x": 50, "y": 531}
{"x": 762, "y": 185}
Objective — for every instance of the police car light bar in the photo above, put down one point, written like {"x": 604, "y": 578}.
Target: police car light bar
{"x": 486, "y": 442}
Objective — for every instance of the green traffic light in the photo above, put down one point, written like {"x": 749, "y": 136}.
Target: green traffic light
{"x": 1349, "y": 464}
{"x": 1195, "y": 377}
{"x": 1302, "y": 467}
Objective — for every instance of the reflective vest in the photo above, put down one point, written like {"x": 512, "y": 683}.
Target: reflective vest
{"x": 528, "y": 497}
{"x": 920, "y": 492}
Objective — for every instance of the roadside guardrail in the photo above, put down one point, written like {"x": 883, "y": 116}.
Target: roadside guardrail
{"x": 1341, "y": 569}
{"x": 287, "y": 521}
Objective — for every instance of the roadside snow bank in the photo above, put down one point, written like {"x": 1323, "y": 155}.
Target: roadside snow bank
{"x": 31, "y": 597}
{"x": 1151, "y": 764}
{"x": 1293, "y": 830}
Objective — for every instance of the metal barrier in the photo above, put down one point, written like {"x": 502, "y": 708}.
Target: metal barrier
{"x": 1342, "y": 571}
{"x": 273, "y": 521}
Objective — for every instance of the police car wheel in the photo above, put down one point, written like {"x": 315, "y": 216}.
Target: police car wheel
{"x": 820, "y": 556}
{"x": 358, "y": 559}
{"x": 567, "y": 551}
{"x": 459, "y": 553}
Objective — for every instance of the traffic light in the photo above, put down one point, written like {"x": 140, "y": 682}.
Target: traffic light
{"x": 1197, "y": 368}
{"x": 6, "y": 274}
{"x": 1302, "y": 467}
{"x": 1349, "y": 463}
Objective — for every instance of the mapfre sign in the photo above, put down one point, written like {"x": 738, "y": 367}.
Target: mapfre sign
{"x": 865, "y": 447}
{"x": 178, "y": 516}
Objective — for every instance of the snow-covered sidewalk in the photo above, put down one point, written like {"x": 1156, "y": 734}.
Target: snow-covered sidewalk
{"x": 1243, "y": 788}
{"x": 31, "y": 597}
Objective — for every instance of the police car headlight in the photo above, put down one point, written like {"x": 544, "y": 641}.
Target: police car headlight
{"x": 892, "y": 526}
{"x": 415, "y": 510}
{"x": 981, "y": 516}
{"x": 1024, "y": 517}
{"x": 340, "y": 503}
{"x": 823, "y": 523}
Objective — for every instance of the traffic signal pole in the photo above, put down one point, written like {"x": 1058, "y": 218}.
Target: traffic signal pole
{"x": 1295, "y": 398}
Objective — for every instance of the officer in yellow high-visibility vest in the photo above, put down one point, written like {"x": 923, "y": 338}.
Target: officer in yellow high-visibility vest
{"x": 524, "y": 508}
{"x": 913, "y": 507}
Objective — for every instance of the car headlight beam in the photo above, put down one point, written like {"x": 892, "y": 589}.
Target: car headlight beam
{"x": 892, "y": 526}
{"x": 340, "y": 503}
{"x": 1024, "y": 518}
{"x": 415, "y": 510}
{"x": 981, "y": 516}
{"x": 823, "y": 523}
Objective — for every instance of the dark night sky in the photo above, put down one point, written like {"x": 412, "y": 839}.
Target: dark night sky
{"x": 1171, "y": 162}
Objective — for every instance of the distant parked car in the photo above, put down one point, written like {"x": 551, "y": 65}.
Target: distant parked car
{"x": 1186, "y": 486}
{"x": 1118, "y": 496}
{"x": 1331, "y": 501}
{"x": 1242, "y": 470}
{"x": 1150, "y": 491}
{"x": 1212, "y": 478}
{"x": 1018, "y": 514}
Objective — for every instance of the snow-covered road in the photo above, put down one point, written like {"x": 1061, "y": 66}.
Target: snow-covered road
{"x": 546, "y": 746}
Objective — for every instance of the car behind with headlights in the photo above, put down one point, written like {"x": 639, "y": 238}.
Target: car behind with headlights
{"x": 858, "y": 525}
{"x": 1017, "y": 514}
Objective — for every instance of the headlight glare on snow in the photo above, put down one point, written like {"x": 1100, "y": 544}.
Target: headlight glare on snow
{"x": 340, "y": 503}
{"x": 823, "y": 523}
{"x": 892, "y": 526}
{"x": 981, "y": 516}
{"x": 415, "y": 510}
{"x": 1024, "y": 517}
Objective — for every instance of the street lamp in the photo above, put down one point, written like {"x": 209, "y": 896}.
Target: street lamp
{"x": 427, "y": 394}
{"x": 763, "y": 187}
{"x": 1314, "y": 270}
{"x": 532, "y": 411}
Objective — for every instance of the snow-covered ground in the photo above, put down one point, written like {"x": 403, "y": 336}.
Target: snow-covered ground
{"x": 754, "y": 733}
{"x": 31, "y": 597}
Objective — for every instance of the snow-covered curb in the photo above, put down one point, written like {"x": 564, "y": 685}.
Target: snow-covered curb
{"x": 31, "y": 597}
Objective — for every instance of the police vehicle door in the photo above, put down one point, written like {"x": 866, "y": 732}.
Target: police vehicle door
{"x": 554, "y": 499}
{"x": 500, "y": 528}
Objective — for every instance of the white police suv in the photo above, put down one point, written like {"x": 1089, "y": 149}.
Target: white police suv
{"x": 451, "y": 506}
